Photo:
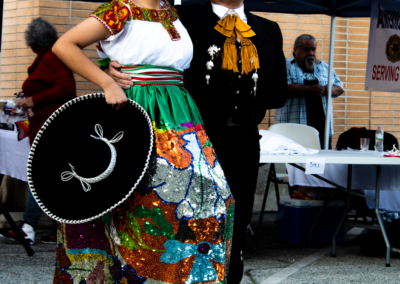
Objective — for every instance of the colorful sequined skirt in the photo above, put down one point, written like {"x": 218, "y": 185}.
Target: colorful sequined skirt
{"x": 177, "y": 226}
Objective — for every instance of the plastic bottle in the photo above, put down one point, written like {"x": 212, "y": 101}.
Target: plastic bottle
{"x": 379, "y": 139}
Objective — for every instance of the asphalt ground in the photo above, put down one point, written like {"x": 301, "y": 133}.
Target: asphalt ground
{"x": 266, "y": 261}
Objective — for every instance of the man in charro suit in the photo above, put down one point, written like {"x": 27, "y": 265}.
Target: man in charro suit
{"x": 237, "y": 73}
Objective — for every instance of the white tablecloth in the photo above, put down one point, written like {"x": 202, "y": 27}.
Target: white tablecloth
{"x": 13, "y": 155}
{"x": 364, "y": 178}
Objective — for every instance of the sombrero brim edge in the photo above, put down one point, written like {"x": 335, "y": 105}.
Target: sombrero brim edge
{"x": 40, "y": 133}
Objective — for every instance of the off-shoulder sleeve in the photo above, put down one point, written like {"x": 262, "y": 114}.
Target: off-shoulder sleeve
{"x": 113, "y": 15}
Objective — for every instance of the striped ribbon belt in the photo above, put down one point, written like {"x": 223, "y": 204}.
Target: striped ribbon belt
{"x": 153, "y": 75}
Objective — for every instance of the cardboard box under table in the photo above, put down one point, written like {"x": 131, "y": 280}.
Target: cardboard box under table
{"x": 296, "y": 218}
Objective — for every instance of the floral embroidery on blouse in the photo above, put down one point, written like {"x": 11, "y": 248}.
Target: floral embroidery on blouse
{"x": 114, "y": 16}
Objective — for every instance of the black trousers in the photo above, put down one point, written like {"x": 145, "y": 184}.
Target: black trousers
{"x": 238, "y": 150}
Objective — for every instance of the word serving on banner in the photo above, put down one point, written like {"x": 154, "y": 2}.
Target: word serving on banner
{"x": 383, "y": 65}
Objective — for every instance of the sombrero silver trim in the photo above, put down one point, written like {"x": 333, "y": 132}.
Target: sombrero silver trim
{"x": 41, "y": 131}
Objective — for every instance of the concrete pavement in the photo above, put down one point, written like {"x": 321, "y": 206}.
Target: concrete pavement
{"x": 17, "y": 267}
{"x": 266, "y": 261}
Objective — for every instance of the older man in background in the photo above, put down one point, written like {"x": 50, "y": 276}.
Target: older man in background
{"x": 307, "y": 79}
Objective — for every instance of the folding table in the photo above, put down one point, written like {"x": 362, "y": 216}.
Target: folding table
{"x": 350, "y": 159}
{"x": 13, "y": 161}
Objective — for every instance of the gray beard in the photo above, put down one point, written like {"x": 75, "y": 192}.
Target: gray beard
{"x": 309, "y": 64}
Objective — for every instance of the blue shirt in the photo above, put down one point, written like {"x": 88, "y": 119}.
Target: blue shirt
{"x": 294, "y": 111}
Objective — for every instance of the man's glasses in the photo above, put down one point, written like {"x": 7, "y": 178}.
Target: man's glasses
{"x": 308, "y": 49}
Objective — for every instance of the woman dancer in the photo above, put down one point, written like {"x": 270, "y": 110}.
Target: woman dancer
{"x": 177, "y": 226}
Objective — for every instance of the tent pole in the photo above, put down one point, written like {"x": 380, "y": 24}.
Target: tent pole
{"x": 330, "y": 82}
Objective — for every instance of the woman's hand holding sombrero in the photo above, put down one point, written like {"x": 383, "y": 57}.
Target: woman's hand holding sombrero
{"x": 69, "y": 49}
{"x": 115, "y": 96}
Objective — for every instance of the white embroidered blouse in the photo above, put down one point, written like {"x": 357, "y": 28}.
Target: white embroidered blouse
{"x": 144, "y": 36}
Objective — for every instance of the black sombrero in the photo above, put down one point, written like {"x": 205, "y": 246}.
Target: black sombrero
{"x": 88, "y": 158}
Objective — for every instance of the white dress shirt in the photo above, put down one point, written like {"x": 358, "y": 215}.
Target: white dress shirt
{"x": 222, "y": 11}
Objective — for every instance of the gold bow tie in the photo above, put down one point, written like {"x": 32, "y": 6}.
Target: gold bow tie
{"x": 233, "y": 27}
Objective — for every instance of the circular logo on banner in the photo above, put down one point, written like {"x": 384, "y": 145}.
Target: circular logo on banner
{"x": 393, "y": 48}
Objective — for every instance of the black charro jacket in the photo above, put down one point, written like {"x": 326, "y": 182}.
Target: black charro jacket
{"x": 228, "y": 95}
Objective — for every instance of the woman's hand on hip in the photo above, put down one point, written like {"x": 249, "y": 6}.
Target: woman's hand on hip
{"x": 123, "y": 80}
{"x": 115, "y": 96}
{"x": 25, "y": 103}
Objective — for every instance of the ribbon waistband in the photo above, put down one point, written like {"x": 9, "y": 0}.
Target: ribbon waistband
{"x": 153, "y": 75}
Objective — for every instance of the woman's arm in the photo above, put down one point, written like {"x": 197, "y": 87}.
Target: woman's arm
{"x": 69, "y": 49}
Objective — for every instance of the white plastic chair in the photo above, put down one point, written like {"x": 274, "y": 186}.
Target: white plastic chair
{"x": 304, "y": 135}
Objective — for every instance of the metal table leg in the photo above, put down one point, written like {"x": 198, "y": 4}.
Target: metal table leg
{"x": 378, "y": 216}
{"x": 276, "y": 186}
{"x": 17, "y": 232}
{"x": 270, "y": 172}
{"x": 346, "y": 210}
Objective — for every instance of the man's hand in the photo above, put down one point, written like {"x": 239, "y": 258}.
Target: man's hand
{"x": 336, "y": 90}
{"x": 25, "y": 103}
{"x": 326, "y": 89}
{"x": 317, "y": 90}
{"x": 295, "y": 91}
{"x": 123, "y": 80}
